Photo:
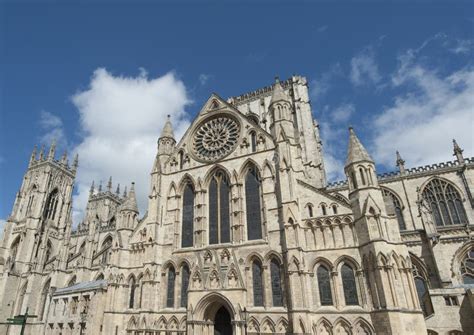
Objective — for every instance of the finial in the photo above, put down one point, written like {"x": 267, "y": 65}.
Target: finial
{"x": 100, "y": 186}
{"x": 109, "y": 184}
{"x": 125, "y": 192}
{"x": 458, "y": 152}
{"x": 400, "y": 163}
{"x": 64, "y": 158}
{"x": 52, "y": 150}
{"x": 41, "y": 157}
{"x": 277, "y": 79}
{"x": 91, "y": 191}
{"x": 33, "y": 155}
{"x": 76, "y": 162}
{"x": 117, "y": 191}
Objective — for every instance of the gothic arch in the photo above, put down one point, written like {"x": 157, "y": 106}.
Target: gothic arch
{"x": 185, "y": 180}
{"x": 268, "y": 170}
{"x": 362, "y": 327}
{"x": 252, "y": 257}
{"x": 212, "y": 171}
{"x": 282, "y": 325}
{"x": 209, "y": 304}
{"x": 182, "y": 262}
{"x": 169, "y": 263}
{"x": 173, "y": 323}
{"x": 132, "y": 323}
{"x": 271, "y": 255}
{"x": 457, "y": 259}
{"x": 429, "y": 180}
{"x": 321, "y": 261}
{"x": 253, "y": 325}
{"x": 342, "y": 326}
{"x": 267, "y": 325}
{"x": 172, "y": 189}
{"x": 323, "y": 327}
{"x": 249, "y": 163}
{"x": 346, "y": 259}
{"x": 105, "y": 239}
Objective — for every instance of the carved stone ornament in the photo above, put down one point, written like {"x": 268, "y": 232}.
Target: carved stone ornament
{"x": 215, "y": 138}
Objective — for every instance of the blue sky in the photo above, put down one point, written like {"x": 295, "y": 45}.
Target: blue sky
{"x": 100, "y": 77}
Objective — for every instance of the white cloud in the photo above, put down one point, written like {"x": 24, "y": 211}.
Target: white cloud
{"x": 322, "y": 84}
{"x": 462, "y": 46}
{"x": 422, "y": 123}
{"x": 343, "y": 112}
{"x": 121, "y": 120}
{"x": 204, "y": 78}
{"x": 52, "y": 127}
{"x": 364, "y": 68}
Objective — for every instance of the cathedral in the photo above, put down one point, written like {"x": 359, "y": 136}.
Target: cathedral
{"x": 244, "y": 235}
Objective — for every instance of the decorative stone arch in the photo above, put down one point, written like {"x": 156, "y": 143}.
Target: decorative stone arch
{"x": 323, "y": 327}
{"x": 166, "y": 266}
{"x": 173, "y": 323}
{"x": 302, "y": 326}
{"x": 207, "y": 307}
{"x": 161, "y": 323}
{"x": 342, "y": 326}
{"x": 249, "y": 162}
{"x": 107, "y": 237}
{"x": 271, "y": 255}
{"x": 295, "y": 264}
{"x": 253, "y": 325}
{"x": 267, "y": 326}
{"x": 99, "y": 276}
{"x": 72, "y": 281}
{"x": 172, "y": 190}
{"x": 362, "y": 327}
{"x": 268, "y": 170}
{"x": 132, "y": 323}
{"x": 348, "y": 260}
{"x": 429, "y": 180}
{"x": 212, "y": 171}
{"x": 282, "y": 325}
{"x": 342, "y": 198}
{"x": 382, "y": 260}
{"x": 321, "y": 261}
{"x": 182, "y": 323}
{"x": 143, "y": 323}
{"x": 185, "y": 180}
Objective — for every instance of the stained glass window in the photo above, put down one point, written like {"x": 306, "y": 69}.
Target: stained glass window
{"x": 184, "y": 286}
{"x": 253, "y": 205}
{"x": 445, "y": 203}
{"x": 170, "y": 288}
{"x": 219, "y": 209}
{"x": 277, "y": 293}
{"x": 397, "y": 206}
{"x": 349, "y": 285}
{"x": 257, "y": 284}
{"x": 188, "y": 217}
{"x": 324, "y": 283}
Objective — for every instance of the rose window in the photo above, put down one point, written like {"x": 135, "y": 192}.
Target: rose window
{"x": 216, "y": 138}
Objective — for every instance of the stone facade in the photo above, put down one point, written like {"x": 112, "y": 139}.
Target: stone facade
{"x": 243, "y": 235}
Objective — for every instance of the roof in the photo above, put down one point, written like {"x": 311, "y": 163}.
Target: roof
{"x": 84, "y": 286}
{"x": 356, "y": 151}
{"x": 167, "y": 129}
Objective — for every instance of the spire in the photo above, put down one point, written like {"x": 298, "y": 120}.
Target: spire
{"x": 41, "y": 157}
{"x": 100, "y": 186}
{"x": 52, "y": 150}
{"x": 167, "y": 129}
{"x": 117, "y": 191}
{"x": 458, "y": 152}
{"x": 91, "y": 191}
{"x": 400, "y": 163}
{"x": 76, "y": 162}
{"x": 125, "y": 192}
{"x": 356, "y": 151}
{"x": 33, "y": 155}
{"x": 109, "y": 185}
{"x": 130, "y": 203}
{"x": 279, "y": 93}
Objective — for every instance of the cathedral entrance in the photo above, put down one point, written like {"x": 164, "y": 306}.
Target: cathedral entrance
{"x": 222, "y": 322}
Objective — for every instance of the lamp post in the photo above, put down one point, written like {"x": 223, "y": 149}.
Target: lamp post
{"x": 246, "y": 313}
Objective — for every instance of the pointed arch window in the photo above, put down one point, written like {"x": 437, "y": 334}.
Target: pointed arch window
{"x": 133, "y": 288}
{"x": 184, "y": 285}
{"x": 324, "y": 209}
{"x": 467, "y": 268}
{"x": 362, "y": 177}
{"x": 310, "y": 210}
{"x": 43, "y": 300}
{"x": 445, "y": 203}
{"x": 349, "y": 285}
{"x": 188, "y": 216}
{"x": 253, "y": 204}
{"x": 397, "y": 206}
{"x": 31, "y": 200}
{"x": 253, "y": 141}
{"x": 324, "y": 285}
{"x": 277, "y": 291}
{"x": 51, "y": 205}
{"x": 257, "y": 280}
{"x": 219, "y": 209}
{"x": 170, "y": 287}
{"x": 106, "y": 245}
{"x": 422, "y": 289}
{"x": 334, "y": 209}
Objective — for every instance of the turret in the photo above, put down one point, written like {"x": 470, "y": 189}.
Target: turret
{"x": 166, "y": 142}
{"x": 52, "y": 150}
{"x": 458, "y": 152}
{"x": 360, "y": 167}
{"x": 129, "y": 211}
{"x": 281, "y": 111}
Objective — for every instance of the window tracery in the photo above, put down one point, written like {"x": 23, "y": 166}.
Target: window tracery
{"x": 467, "y": 267}
{"x": 324, "y": 285}
{"x": 253, "y": 204}
{"x": 445, "y": 203}
{"x": 349, "y": 285}
{"x": 170, "y": 287}
{"x": 187, "y": 229}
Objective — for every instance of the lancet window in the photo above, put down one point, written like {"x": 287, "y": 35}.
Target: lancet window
{"x": 133, "y": 287}
{"x": 51, "y": 205}
{"x": 277, "y": 290}
{"x": 257, "y": 280}
{"x": 349, "y": 285}
{"x": 184, "y": 285}
{"x": 253, "y": 203}
{"x": 324, "y": 285}
{"x": 219, "y": 209}
{"x": 187, "y": 230}
{"x": 170, "y": 287}
{"x": 397, "y": 206}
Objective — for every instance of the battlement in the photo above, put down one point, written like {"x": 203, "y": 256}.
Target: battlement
{"x": 259, "y": 93}
{"x": 415, "y": 171}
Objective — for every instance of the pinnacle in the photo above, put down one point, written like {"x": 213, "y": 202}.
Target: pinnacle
{"x": 167, "y": 128}
{"x": 279, "y": 93}
{"x": 130, "y": 203}
{"x": 356, "y": 151}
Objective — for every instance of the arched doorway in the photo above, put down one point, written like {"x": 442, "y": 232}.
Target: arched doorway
{"x": 222, "y": 322}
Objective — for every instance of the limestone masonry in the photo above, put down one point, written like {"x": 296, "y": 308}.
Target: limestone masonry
{"x": 243, "y": 235}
